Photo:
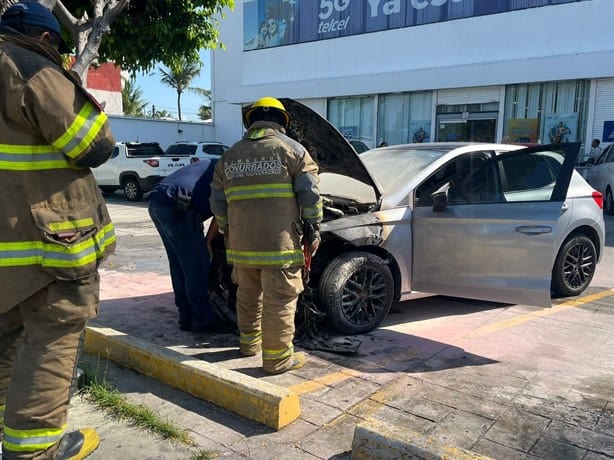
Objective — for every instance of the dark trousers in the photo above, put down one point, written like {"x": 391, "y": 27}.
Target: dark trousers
{"x": 184, "y": 240}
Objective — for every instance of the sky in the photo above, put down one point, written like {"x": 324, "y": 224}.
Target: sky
{"x": 165, "y": 98}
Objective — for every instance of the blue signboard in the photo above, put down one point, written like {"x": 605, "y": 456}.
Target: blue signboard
{"x": 608, "y": 131}
{"x": 269, "y": 23}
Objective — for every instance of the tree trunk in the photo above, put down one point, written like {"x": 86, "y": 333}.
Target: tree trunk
{"x": 179, "y": 104}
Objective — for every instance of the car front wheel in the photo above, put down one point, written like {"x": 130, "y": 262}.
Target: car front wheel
{"x": 574, "y": 266}
{"x": 356, "y": 290}
{"x": 132, "y": 189}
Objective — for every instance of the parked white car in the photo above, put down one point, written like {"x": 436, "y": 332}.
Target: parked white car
{"x": 136, "y": 168}
{"x": 197, "y": 150}
{"x": 601, "y": 176}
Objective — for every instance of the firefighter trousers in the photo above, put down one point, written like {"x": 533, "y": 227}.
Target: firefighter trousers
{"x": 266, "y": 304}
{"x": 39, "y": 345}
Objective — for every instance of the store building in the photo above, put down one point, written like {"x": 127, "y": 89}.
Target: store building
{"x": 523, "y": 71}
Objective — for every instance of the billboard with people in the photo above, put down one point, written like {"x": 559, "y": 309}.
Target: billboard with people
{"x": 270, "y": 23}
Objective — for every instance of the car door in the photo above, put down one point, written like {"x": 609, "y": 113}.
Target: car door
{"x": 602, "y": 173}
{"x": 108, "y": 172}
{"x": 494, "y": 240}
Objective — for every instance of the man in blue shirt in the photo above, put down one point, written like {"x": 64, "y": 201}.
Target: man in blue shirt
{"x": 178, "y": 206}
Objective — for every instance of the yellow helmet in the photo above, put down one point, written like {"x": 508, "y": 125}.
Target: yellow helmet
{"x": 263, "y": 106}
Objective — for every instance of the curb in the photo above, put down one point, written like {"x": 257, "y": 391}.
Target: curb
{"x": 375, "y": 439}
{"x": 269, "y": 404}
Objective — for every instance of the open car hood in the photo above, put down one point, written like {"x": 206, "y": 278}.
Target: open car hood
{"x": 325, "y": 144}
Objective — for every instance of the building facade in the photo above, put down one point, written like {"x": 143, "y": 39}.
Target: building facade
{"x": 522, "y": 71}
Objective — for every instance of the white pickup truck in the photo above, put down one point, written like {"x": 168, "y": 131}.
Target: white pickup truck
{"x": 136, "y": 168}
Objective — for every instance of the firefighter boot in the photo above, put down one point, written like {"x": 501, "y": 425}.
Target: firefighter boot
{"x": 296, "y": 362}
{"x": 77, "y": 445}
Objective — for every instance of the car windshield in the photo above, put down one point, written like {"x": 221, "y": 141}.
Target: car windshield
{"x": 392, "y": 167}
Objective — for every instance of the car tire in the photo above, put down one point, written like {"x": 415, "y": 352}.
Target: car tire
{"x": 356, "y": 290}
{"x": 132, "y": 189}
{"x": 608, "y": 205}
{"x": 574, "y": 267}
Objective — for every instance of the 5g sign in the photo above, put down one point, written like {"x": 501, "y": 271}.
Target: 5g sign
{"x": 387, "y": 7}
{"x": 327, "y": 7}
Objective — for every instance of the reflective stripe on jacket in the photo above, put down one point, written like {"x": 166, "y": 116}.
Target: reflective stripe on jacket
{"x": 54, "y": 223}
{"x": 262, "y": 190}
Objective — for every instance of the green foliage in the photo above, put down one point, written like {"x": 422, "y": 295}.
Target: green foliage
{"x": 103, "y": 395}
{"x": 152, "y": 31}
{"x": 162, "y": 114}
{"x": 180, "y": 73}
{"x": 204, "y": 111}
{"x": 132, "y": 99}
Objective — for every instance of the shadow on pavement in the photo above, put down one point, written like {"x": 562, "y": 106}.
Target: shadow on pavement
{"x": 153, "y": 318}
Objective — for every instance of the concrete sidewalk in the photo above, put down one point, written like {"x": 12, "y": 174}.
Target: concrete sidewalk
{"x": 456, "y": 400}
{"x": 463, "y": 378}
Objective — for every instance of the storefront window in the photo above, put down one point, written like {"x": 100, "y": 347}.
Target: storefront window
{"x": 353, "y": 116}
{"x": 476, "y": 122}
{"x": 404, "y": 118}
{"x": 545, "y": 113}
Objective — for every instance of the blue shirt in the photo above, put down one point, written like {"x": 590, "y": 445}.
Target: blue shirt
{"x": 192, "y": 181}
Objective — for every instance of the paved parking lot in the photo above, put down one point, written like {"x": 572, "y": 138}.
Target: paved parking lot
{"x": 505, "y": 381}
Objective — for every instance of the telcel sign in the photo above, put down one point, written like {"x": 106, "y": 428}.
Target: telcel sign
{"x": 269, "y": 23}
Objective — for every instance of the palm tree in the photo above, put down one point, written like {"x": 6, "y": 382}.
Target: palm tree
{"x": 179, "y": 75}
{"x": 204, "y": 111}
{"x": 132, "y": 99}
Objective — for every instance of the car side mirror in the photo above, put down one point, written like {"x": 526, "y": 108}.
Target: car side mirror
{"x": 440, "y": 198}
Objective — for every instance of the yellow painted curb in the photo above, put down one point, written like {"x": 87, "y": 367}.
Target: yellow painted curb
{"x": 247, "y": 396}
{"x": 375, "y": 439}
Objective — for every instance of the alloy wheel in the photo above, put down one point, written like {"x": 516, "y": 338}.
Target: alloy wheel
{"x": 579, "y": 265}
{"x": 364, "y": 296}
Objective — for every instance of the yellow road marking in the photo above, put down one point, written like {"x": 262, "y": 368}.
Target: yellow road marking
{"x": 321, "y": 382}
{"x": 495, "y": 327}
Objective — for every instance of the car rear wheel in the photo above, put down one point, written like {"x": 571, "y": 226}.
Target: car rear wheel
{"x": 132, "y": 189}
{"x": 609, "y": 202}
{"x": 356, "y": 290}
{"x": 574, "y": 267}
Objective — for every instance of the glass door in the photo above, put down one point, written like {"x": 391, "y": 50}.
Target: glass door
{"x": 468, "y": 127}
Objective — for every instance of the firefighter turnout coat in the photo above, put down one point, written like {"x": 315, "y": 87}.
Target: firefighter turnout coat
{"x": 262, "y": 190}
{"x": 53, "y": 220}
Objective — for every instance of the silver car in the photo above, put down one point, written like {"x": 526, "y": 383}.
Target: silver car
{"x": 601, "y": 176}
{"x": 495, "y": 222}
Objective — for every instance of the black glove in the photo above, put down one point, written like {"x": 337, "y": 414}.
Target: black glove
{"x": 311, "y": 236}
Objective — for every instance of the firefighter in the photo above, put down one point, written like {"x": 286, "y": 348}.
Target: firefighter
{"x": 178, "y": 205}
{"x": 265, "y": 198}
{"x": 54, "y": 232}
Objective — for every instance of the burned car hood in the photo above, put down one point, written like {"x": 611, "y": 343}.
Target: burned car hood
{"x": 326, "y": 145}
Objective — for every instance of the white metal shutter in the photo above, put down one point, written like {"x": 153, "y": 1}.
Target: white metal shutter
{"x": 604, "y": 107}
{"x": 477, "y": 95}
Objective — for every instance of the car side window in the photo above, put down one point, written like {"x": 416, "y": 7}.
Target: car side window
{"x": 152, "y": 149}
{"x": 610, "y": 157}
{"x": 115, "y": 152}
{"x": 529, "y": 176}
{"x": 470, "y": 179}
{"x": 475, "y": 180}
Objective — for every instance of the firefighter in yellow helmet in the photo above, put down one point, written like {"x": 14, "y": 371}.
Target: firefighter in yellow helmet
{"x": 265, "y": 197}
{"x": 54, "y": 232}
